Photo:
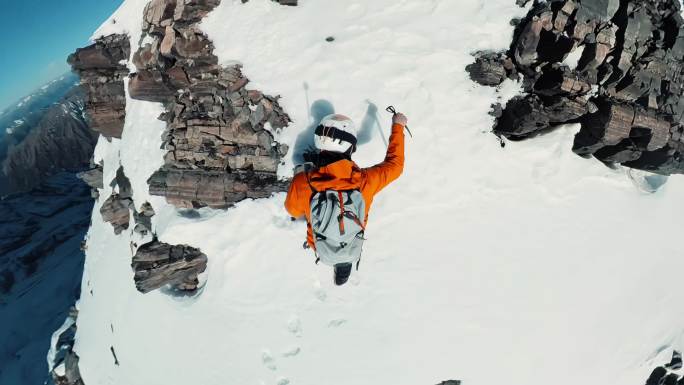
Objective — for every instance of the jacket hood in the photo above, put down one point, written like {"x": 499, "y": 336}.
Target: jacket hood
{"x": 341, "y": 175}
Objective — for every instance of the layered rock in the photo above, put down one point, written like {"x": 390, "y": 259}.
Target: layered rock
{"x": 143, "y": 219}
{"x": 93, "y": 178}
{"x": 625, "y": 89}
{"x": 220, "y": 145}
{"x": 102, "y": 68}
{"x": 116, "y": 210}
{"x": 60, "y": 141}
{"x": 158, "y": 264}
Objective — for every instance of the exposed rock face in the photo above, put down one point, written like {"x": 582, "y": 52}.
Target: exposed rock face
{"x": 102, "y": 68}
{"x": 143, "y": 219}
{"x": 93, "y": 178}
{"x": 157, "y": 264}
{"x": 65, "y": 365}
{"x": 220, "y": 148}
{"x": 60, "y": 141}
{"x": 663, "y": 375}
{"x": 116, "y": 211}
{"x": 626, "y": 88}
{"x": 492, "y": 68}
{"x": 117, "y": 208}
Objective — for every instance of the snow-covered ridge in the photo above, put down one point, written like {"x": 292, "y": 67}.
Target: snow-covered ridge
{"x": 477, "y": 257}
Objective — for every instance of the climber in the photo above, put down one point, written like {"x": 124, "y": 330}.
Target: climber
{"x": 335, "y": 195}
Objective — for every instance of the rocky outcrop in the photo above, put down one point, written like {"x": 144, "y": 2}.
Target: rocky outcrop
{"x": 220, "y": 145}
{"x": 158, "y": 264}
{"x": 625, "y": 88}
{"x": 93, "y": 178}
{"x": 664, "y": 375}
{"x": 143, "y": 219}
{"x": 102, "y": 67}
{"x": 64, "y": 363}
{"x": 60, "y": 141}
{"x": 116, "y": 210}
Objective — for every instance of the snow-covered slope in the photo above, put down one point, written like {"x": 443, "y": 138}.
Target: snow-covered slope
{"x": 524, "y": 265}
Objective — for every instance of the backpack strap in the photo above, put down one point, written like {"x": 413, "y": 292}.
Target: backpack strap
{"x": 308, "y": 180}
{"x": 340, "y": 218}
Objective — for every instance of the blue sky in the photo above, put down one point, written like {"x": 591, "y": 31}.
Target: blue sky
{"x": 39, "y": 35}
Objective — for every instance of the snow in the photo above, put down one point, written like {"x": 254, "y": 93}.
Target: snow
{"x": 126, "y": 19}
{"x": 524, "y": 265}
{"x": 574, "y": 57}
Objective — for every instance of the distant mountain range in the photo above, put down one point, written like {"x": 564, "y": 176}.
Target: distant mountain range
{"x": 44, "y": 133}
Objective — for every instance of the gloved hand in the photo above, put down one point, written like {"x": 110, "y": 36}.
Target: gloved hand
{"x": 399, "y": 118}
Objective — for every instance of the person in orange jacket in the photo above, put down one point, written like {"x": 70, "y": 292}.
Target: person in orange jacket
{"x": 333, "y": 169}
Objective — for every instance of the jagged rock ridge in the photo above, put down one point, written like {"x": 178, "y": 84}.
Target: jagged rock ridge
{"x": 625, "y": 89}
{"x": 102, "y": 68}
{"x": 220, "y": 148}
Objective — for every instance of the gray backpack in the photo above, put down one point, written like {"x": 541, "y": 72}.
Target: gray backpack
{"x": 337, "y": 221}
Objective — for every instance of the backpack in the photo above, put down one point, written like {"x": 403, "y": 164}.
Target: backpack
{"x": 337, "y": 221}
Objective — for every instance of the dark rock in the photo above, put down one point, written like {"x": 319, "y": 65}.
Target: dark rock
{"x": 491, "y": 68}
{"x": 656, "y": 376}
{"x": 626, "y": 90}
{"x": 670, "y": 379}
{"x": 157, "y": 264}
{"x": 450, "y": 382}
{"x": 116, "y": 211}
{"x": 102, "y": 68}
{"x": 675, "y": 362}
{"x": 533, "y": 114}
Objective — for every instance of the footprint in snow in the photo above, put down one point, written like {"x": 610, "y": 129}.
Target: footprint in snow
{"x": 267, "y": 360}
{"x": 321, "y": 295}
{"x": 336, "y": 323}
{"x": 294, "y": 325}
{"x": 319, "y": 292}
{"x": 283, "y": 381}
{"x": 291, "y": 352}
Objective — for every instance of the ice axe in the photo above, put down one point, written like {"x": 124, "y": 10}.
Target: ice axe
{"x": 393, "y": 111}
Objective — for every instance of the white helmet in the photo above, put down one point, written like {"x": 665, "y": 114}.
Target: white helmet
{"x": 336, "y": 133}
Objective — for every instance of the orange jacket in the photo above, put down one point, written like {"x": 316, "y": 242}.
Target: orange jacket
{"x": 346, "y": 175}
